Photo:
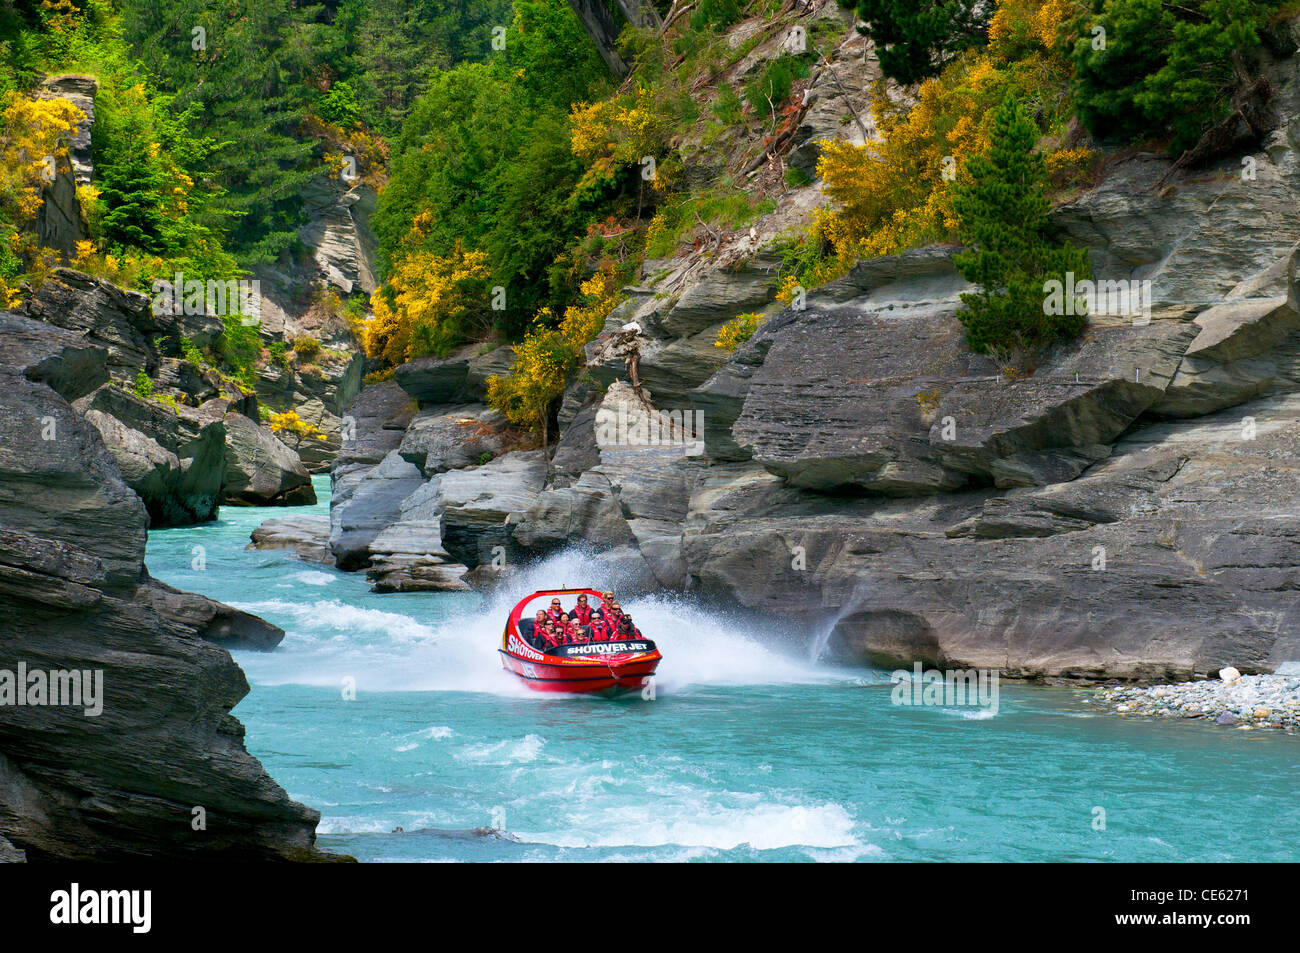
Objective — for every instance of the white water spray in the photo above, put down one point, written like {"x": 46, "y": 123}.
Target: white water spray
{"x": 441, "y": 642}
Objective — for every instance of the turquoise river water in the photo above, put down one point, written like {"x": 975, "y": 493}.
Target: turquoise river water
{"x": 748, "y": 750}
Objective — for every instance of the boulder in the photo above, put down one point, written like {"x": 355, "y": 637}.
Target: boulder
{"x": 1245, "y": 348}
{"x": 196, "y": 383}
{"x": 176, "y": 492}
{"x": 460, "y": 378}
{"x": 104, "y": 315}
{"x": 479, "y": 506}
{"x": 175, "y": 460}
{"x": 213, "y": 621}
{"x": 365, "y": 501}
{"x": 260, "y": 470}
{"x": 408, "y": 557}
{"x": 121, "y": 783}
{"x": 718, "y": 296}
{"x": 374, "y": 424}
{"x": 51, "y": 355}
{"x": 308, "y": 536}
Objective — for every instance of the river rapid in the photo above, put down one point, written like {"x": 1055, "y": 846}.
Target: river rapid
{"x": 390, "y": 714}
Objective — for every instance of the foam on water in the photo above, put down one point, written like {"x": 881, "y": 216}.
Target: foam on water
{"x": 701, "y": 821}
{"x": 411, "y": 649}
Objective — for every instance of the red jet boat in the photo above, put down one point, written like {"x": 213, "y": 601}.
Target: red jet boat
{"x": 605, "y": 668}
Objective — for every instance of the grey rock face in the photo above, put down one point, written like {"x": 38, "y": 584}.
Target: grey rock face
{"x": 365, "y": 501}
{"x": 213, "y": 621}
{"x": 1130, "y": 571}
{"x": 458, "y": 379}
{"x": 408, "y": 556}
{"x": 1246, "y": 347}
{"x": 59, "y": 219}
{"x": 338, "y": 232}
{"x": 440, "y": 439}
{"x": 375, "y": 425}
{"x": 479, "y": 506}
{"x": 59, "y": 358}
{"x": 195, "y": 383}
{"x": 104, "y": 315}
{"x": 73, "y": 590}
{"x": 576, "y": 450}
{"x": 174, "y": 461}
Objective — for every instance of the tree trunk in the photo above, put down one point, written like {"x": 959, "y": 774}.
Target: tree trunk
{"x": 600, "y": 26}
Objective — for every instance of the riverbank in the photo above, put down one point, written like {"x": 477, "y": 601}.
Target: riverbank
{"x": 1246, "y": 702}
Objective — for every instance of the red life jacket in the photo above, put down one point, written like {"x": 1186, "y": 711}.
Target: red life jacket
{"x": 548, "y": 640}
{"x": 555, "y": 613}
{"x": 582, "y": 613}
{"x": 599, "y": 631}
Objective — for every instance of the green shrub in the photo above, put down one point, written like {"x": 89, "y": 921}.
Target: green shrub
{"x": 239, "y": 346}
{"x": 728, "y": 107}
{"x": 143, "y": 386}
{"x": 278, "y": 357}
{"x": 190, "y": 352}
{"x": 797, "y": 178}
{"x": 774, "y": 83}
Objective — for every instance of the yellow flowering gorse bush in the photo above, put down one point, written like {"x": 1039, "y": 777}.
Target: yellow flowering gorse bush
{"x": 429, "y": 303}
{"x": 896, "y": 193}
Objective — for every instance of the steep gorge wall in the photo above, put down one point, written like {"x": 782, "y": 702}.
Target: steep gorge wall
{"x": 136, "y": 779}
{"x": 1128, "y": 510}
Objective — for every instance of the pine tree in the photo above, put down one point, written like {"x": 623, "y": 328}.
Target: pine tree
{"x": 914, "y": 38}
{"x": 1002, "y": 207}
{"x": 246, "y": 70}
{"x": 1146, "y": 69}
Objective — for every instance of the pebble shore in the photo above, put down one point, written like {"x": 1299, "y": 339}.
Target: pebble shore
{"x": 1248, "y": 701}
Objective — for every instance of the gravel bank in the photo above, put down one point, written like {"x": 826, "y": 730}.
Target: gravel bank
{"x": 1246, "y": 701}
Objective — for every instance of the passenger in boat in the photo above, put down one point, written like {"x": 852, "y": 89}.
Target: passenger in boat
{"x": 626, "y": 630}
{"x": 600, "y": 631}
{"x": 582, "y": 611}
{"x": 555, "y": 611}
{"x": 573, "y": 632}
{"x": 539, "y": 629}
{"x": 547, "y": 634}
{"x": 613, "y": 612}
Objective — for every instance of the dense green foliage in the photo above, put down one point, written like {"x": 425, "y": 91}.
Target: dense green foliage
{"x": 1162, "y": 69}
{"x": 714, "y": 14}
{"x": 1002, "y": 206}
{"x": 260, "y": 67}
{"x": 155, "y": 208}
{"x": 484, "y": 159}
{"x": 914, "y": 38}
